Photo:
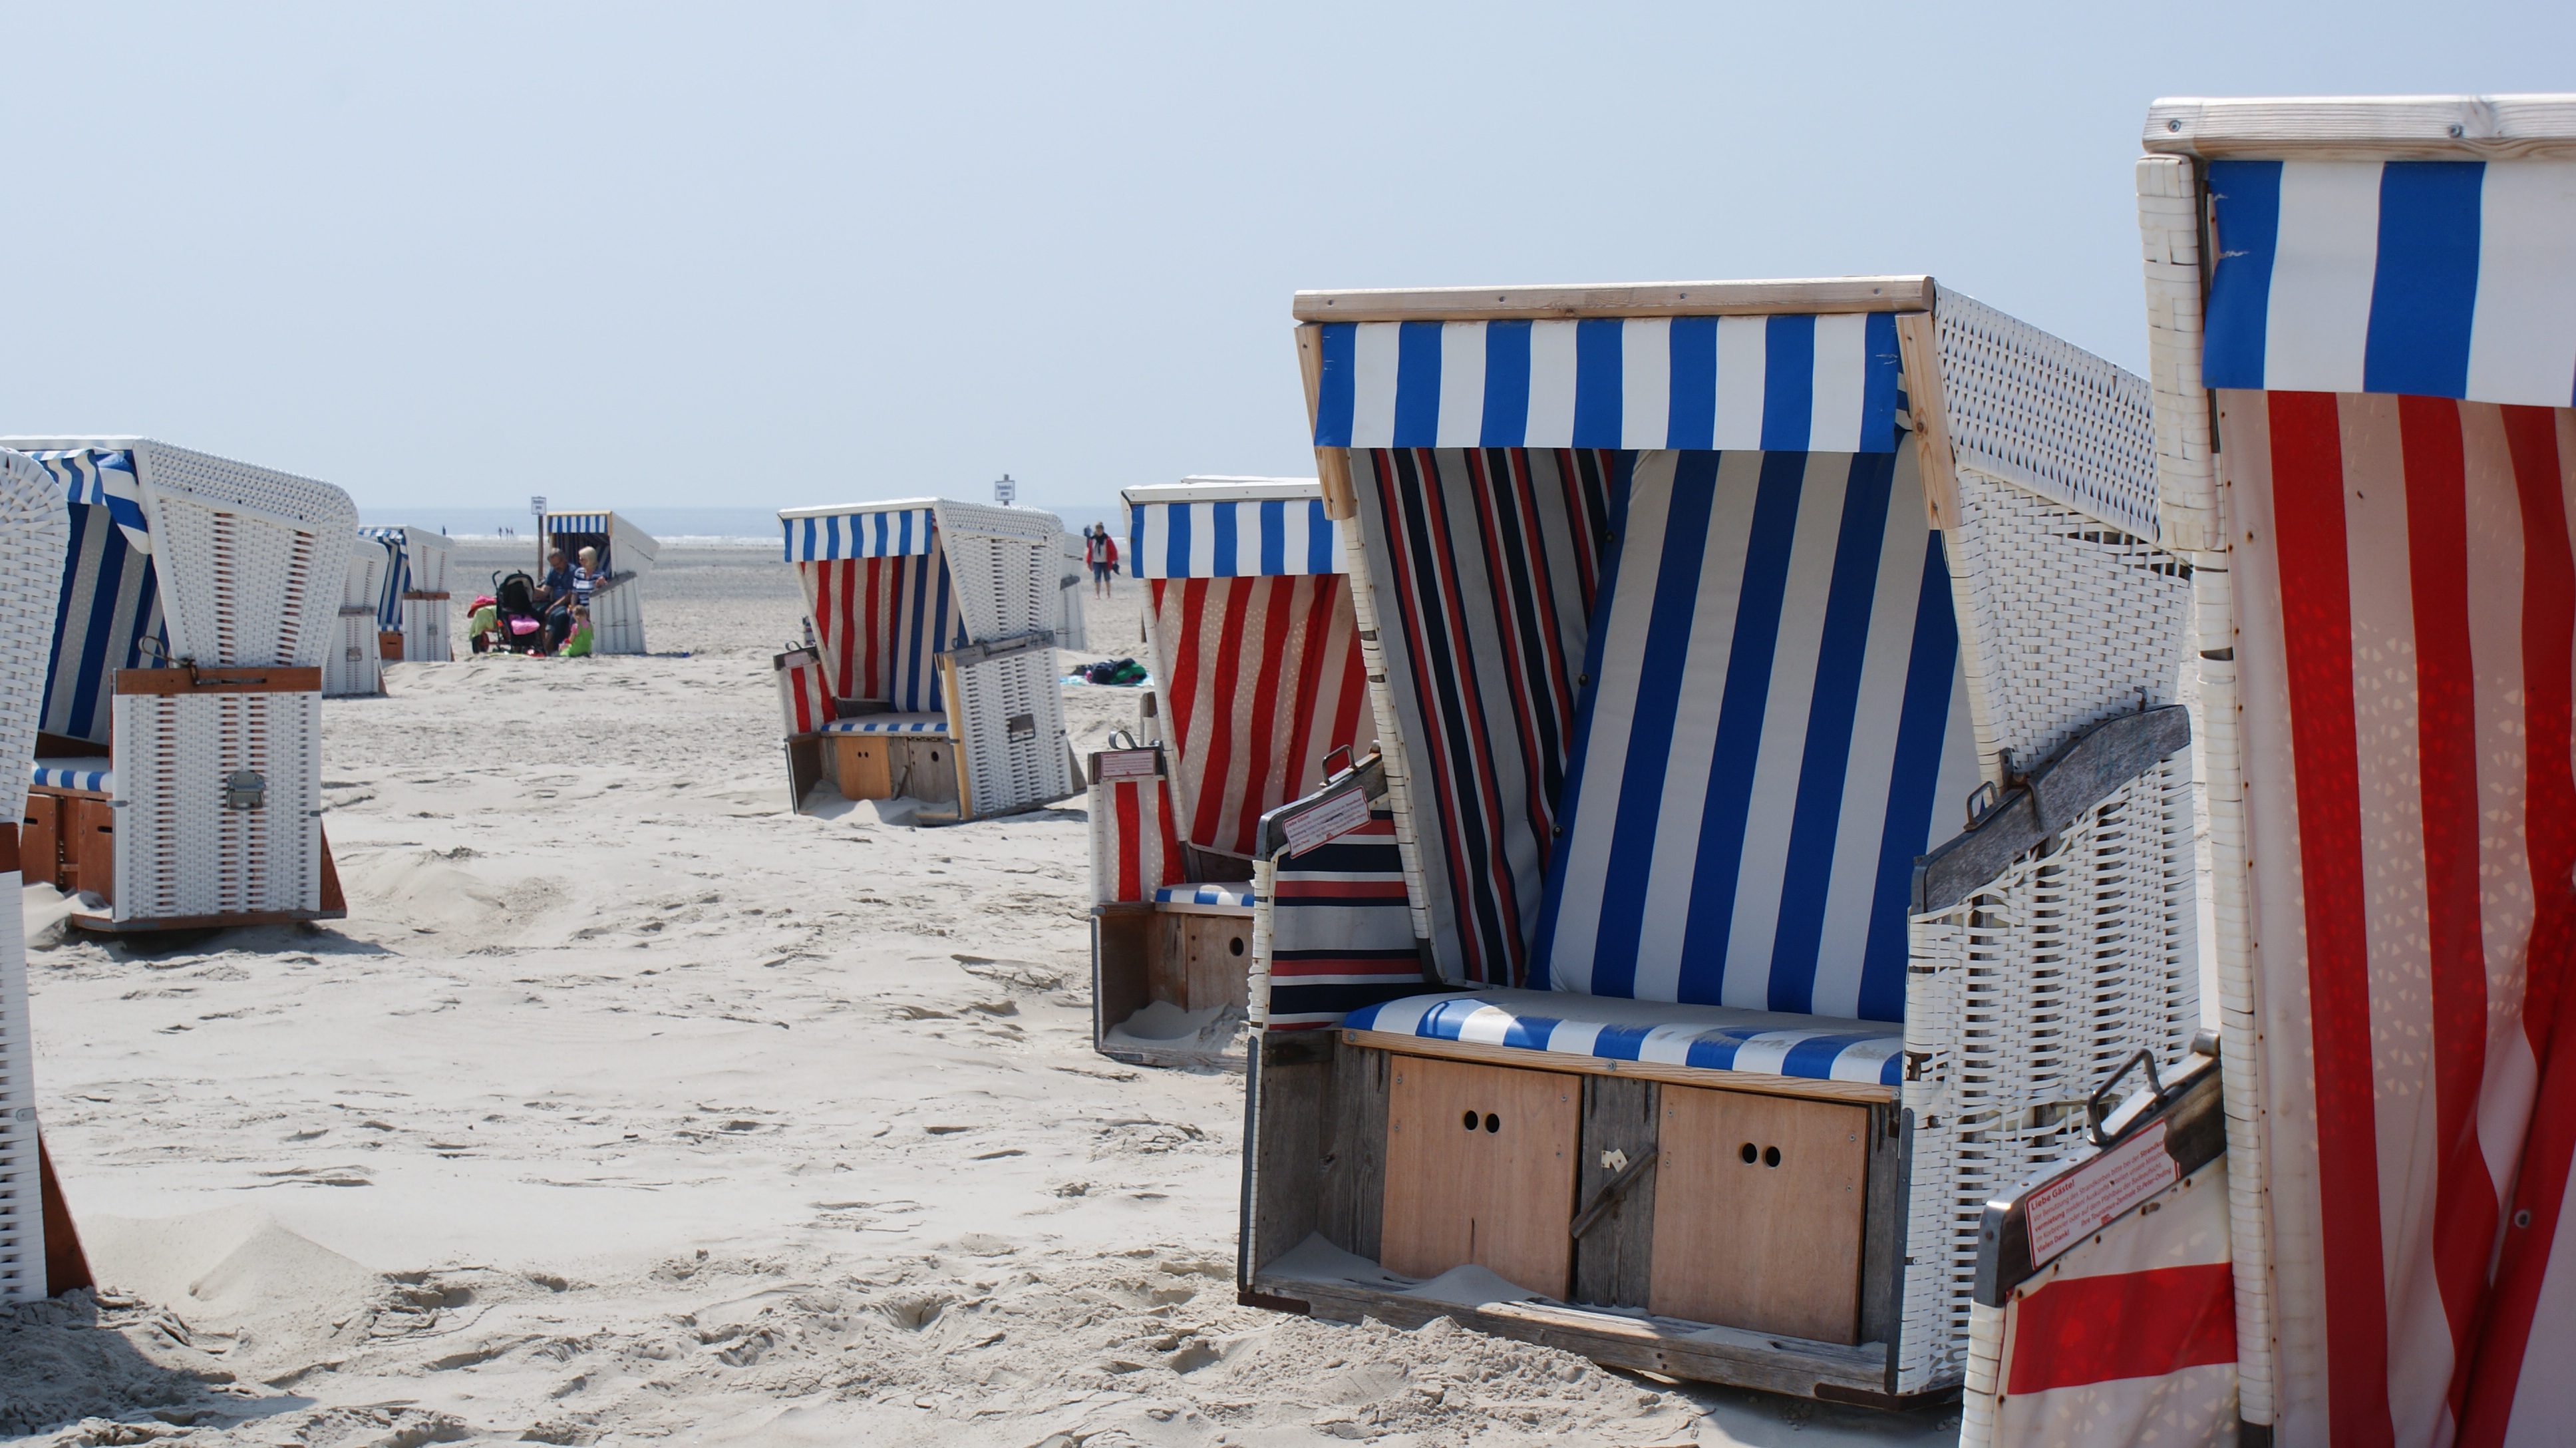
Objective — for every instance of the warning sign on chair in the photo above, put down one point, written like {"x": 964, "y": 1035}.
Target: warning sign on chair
{"x": 2089, "y": 1197}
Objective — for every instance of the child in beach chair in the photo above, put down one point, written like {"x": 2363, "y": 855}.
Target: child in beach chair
{"x": 577, "y": 644}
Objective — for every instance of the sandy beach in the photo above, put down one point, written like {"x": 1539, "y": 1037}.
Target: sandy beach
{"x": 629, "y": 1106}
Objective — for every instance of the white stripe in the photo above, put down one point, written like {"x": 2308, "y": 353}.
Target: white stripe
{"x": 2523, "y": 345}
{"x": 1669, "y": 1045}
{"x": 1202, "y": 539}
{"x": 1784, "y": 733}
{"x": 1857, "y": 834}
{"x": 1864, "y": 1060}
{"x": 1551, "y": 388}
{"x": 1404, "y": 1017}
{"x": 1694, "y": 745}
{"x": 1575, "y": 1038}
{"x": 1486, "y": 1026}
{"x": 1374, "y": 350}
{"x": 1768, "y": 1051}
{"x": 1157, "y": 543}
{"x": 1462, "y": 383}
{"x": 2318, "y": 325}
{"x": 1841, "y": 381}
{"x": 1741, "y": 350}
{"x": 1645, "y": 381}
{"x": 1294, "y": 535}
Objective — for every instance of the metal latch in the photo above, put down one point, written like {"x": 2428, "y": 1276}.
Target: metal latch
{"x": 1024, "y": 724}
{"x": 245, "y": 789}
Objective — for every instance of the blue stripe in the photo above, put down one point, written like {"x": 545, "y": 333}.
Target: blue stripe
{"x": 1137, "y": 562}
{"x": 1923, "y": 726}
{"x": 1507, "y": 374}
{"x": 1319, "y": 540}
{"x": 2425, "y": 292}
{"x": 1692, "y": 420}
{"x": 1788, "y": 384}
{"x": 1222, "y": 526}
{"x": 1655, "y": 711}
{"x": 1813, "y": 1058}
{"x": 1176, "y": 541}
{"x": 1716, "y": 1053}
{"x": 2246, "y": 200}
{"x": 1620, "y": 1043}
{"x": 1599, "y": 393}
{"x": 1570, "y": 796}
{"x": 1274, "y": 537}
{"x": 1826, "y": 755}
{"x": 787, "y": 540}
{"x": 1336, "y": 385}
{"x": 1729, "y": 801}
{"x": 912, "y": 635}
{"x": 1879, "y": 399}
{"x": 1417, "y": 384}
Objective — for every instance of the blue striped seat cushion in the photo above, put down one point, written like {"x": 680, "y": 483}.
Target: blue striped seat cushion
{"x": 1232, "y": 897}
{"x": 88, "y": 774}
{"x": 891, "y": 724}
{"x": 1777, "y": 726}
{"x": 1720, "y": 1038}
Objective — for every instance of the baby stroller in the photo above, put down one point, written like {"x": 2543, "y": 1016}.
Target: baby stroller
{"x": 516, "y": 615}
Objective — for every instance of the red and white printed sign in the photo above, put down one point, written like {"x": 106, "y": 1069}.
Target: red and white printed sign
{"x": 2085, "y": 1200}
{"x": 1327, "y": 821}
{"x": 1124, "y": 764}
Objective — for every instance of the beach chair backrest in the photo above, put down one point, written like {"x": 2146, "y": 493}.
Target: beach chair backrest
{"x": 34, "y": 540}
{"x": 883, "y": 604}
{"x": 1004, "y": 561}
{"x": 108, "y": 611}
{"x": 1255, "y": 647}
{"x": 1135, "y": 847}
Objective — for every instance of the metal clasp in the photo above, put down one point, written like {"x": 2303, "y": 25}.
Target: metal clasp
{"x": 245, "y": 789}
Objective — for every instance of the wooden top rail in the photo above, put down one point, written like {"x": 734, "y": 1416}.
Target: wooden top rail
{"x": 219, "y": 681}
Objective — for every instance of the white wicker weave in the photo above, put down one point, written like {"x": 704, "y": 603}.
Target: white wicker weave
{"x": 179, "y": 851}
{"x": 2036, "y": 410}
{"x": 1004, "y": 565}
{"x": 1009, "y": 768}
{"x": 354, "y": 664}
{"x": 34, "y": 536}
{"x": 425, "y": 623}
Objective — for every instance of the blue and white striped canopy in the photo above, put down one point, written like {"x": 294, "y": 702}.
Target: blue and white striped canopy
{"x": 1777, "y": 383}
{"x": 2435, "y": 278}
{"x": 1232, "y": 538}
{"x": 397, "y": 546}
{"x": 898, "y": 532}
{"x": 102, "y": 479}
{"x": 577, "y": 522}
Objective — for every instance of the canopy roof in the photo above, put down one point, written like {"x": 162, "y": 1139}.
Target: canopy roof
{"x": 1207, "y": 527}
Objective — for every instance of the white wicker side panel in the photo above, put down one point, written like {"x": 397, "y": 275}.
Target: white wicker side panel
{"x": 1011, "y": 768}
{"x": 1390, "y": 737}
{"x": 630, "y": 549}
{"x": 2042, "y": 412}
{"x": 429, "y": 553}
{"x": 617, "y": 618}
{"x": 424, "y": 630}
{"x": 2021, "y": 1001}
{"x": 248, "y": 559}
{"x": 179, "y": 851}
{"x": 1006, "y": 587}
{"x": 354, "y": 666}
{"x": 33, "y": 539}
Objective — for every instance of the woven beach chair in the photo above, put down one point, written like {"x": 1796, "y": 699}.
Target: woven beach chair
{"x": 178, "y": 765}
{"x": 1781, "y": 822}
{"x": 930, "y": 671}
{"x": 1258, "y": 692}
{"x": 412, "y": 599}
{"x": 33, "y": 535}
{"x": 626, "y": 555}
{"x": 2362, "y": 325}
{"x": 353, "y": 665}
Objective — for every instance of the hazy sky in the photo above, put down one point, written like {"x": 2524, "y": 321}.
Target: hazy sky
{"x": 778, "y": 255}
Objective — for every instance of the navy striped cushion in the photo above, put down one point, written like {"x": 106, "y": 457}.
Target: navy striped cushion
{"x": 1231, "y": 897}
{"x": 85, "y": 774}
{"x": 1777, "y": 725}
{"x": 890, "y": 724}
{"x": 1814, "y": 1048}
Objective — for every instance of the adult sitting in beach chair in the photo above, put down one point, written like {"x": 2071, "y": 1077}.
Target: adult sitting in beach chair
{"x": 178, "y": 780}
{"x": 930, "y": 673}
{"x": 621, "y": 554}
{"x": 1780, "y": 795}
{"x": 1260, "y": 690}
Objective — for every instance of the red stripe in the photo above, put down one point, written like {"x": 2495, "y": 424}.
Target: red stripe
{"x": 2316, "y": 611}
{"x": 1164, "y": 814}
{"x": 1183, "y": 701}
{"x": 2446, "y": 729}
{"x": 1278, "y": 618}
{"x": 1389, "y": 889}
{"x": 1129, "y": 841}
{"x": 2081, "y": 1330}
{"x": 1313, "y": 640}
{"x": 1351, "y": 708}
{"x": 2549, "y": 1008}
{"x": 1225, "y": 677}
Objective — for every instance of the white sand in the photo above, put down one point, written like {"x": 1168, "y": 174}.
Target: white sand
{"x": 628, "y": 1106}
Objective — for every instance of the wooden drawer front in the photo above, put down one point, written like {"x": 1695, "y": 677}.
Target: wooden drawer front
{"x": 860, "y": 761}
{"x": 1501, "y": 1198}
{"x": 1202, "y": 960}
{"x": 40, "y": 841}
{"x": 1772, "y": 1244}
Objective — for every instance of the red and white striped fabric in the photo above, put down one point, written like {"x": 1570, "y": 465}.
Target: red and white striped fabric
{"x": 804, "y": 699}
{"x": 2406, "y": 613}
{"x": 2129, "y": 1339}
{"x": 1134, "y": 849}
{"x": 880, "y": 624}
{"x": 1260, "y": 679}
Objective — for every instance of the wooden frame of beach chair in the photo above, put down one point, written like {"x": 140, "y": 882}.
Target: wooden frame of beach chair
{"x": 1254, "y": 650}
{"x": 626, "y": 552}
{"x": 354, "y": 666}
{"x": 931, "y": 671}
{"x": 182, "y": 692}
{"x": 1784, "y": 673}
{"x": 2362, "y": 325}
{"x": 412, "y": 599}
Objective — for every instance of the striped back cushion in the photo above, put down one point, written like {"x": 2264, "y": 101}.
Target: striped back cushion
{"x": 110, "y": 603}
{"x": 879, "y": 623}
{"x": 802, "y": 695}
{"x": 1341, "y": 931}
{"x": 1262, "y": 679}
{"x": 1778, "y": 725}
{"x": 1134, "y": 851}
{"x": 1483, "y": 564}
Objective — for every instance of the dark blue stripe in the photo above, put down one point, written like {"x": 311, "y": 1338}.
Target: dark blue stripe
{"x": 787, "y": 540}
{"x": 1222, "y": 528}
{"x": 913, "y": 628}
{"x": 1832, "y": 711}
{"x": 2246, "y": 201}
{"x": 1813, "y": 1059}
{"x": 1788, "y": 383}
{"x": 1136, "y": 559}
{"x": 1507, "y": 371}
{"x": 1176, "y": 541}
{"x": 1570, "y": 795}
{"x": 1923, "y": 725}
{"x": 1417, "y": 384}
{"x": 1620, "y": 1043}
{"x": 1599, "y": 392}
{"x": 1715, "y": 1052}
{"x": 1879, "y": 398}
{"x": 1723, "y": 817}
{"x": 1692, "y": 422}
{"x": 1530, "y": 1033}
{"x": 2425, "y": 292}
{"x": 1319, "y": 541}
{"x": 1665, "y": 660}
{"x": 1334, "y": 384}
{"x": 1274, "y": 537}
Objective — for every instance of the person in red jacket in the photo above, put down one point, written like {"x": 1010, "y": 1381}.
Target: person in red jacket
{"x": 1100, "y": 550}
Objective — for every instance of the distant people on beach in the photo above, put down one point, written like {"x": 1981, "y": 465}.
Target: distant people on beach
{"x": 1100, "y": 551}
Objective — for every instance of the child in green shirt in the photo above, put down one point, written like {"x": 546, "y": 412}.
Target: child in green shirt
{"x": 577, "y": 644}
